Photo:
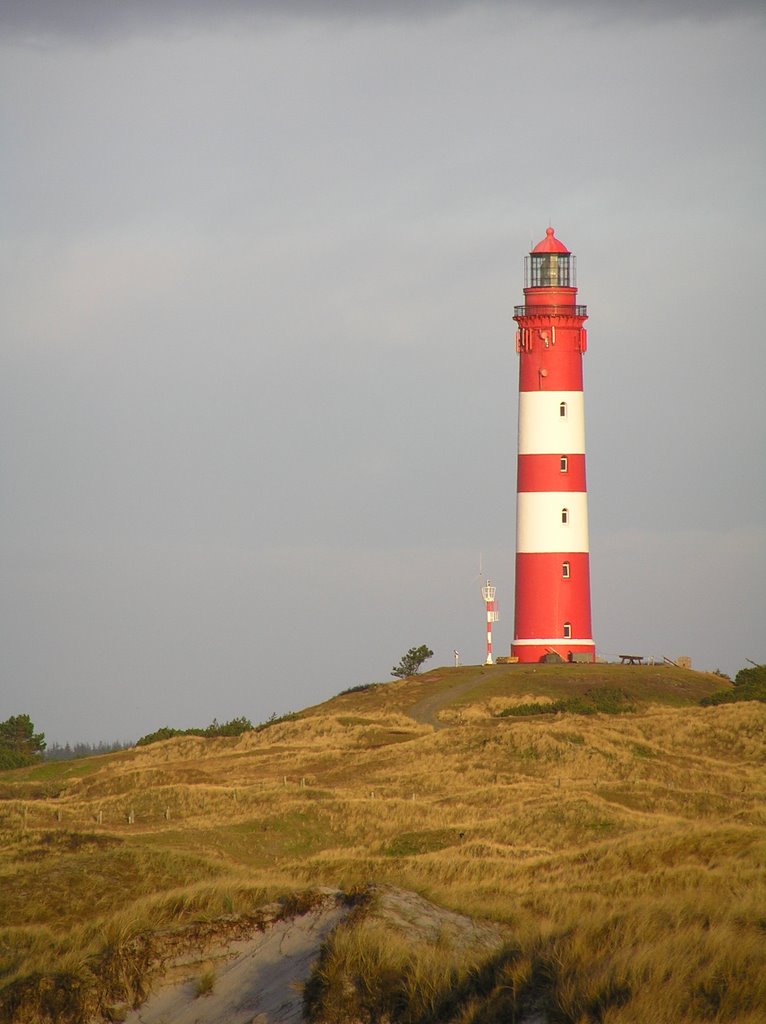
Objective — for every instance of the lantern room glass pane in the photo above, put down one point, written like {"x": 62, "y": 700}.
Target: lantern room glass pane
{"x": 550, "y": 270}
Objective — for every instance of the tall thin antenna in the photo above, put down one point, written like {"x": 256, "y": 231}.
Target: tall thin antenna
{"x": 480, "y": 575}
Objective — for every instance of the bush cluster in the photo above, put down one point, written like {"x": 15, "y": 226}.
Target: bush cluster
{"x": 749, "y": 684}
{"x": 361, "y": 688}
{"x": 233, "y": 728}
{"x": 607, "y": 701}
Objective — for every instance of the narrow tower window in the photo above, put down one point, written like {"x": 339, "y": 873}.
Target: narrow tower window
{"x": 565, "y": 515}
{"x": 567, "y": 630}
{"x": 563, "y": 410}
{"x": 564, "y": 463}
{"x": 565, "y": 570}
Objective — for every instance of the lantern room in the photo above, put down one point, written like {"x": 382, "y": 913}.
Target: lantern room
{"x": 549, "y": 265}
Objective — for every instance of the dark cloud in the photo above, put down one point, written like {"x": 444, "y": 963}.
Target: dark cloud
{"x": 41, "y": 20}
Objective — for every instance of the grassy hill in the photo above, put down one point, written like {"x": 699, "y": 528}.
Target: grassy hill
{"x": 621, "y": 853}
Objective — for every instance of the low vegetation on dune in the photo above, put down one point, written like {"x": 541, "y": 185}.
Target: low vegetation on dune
{"x": 605, "y": 827}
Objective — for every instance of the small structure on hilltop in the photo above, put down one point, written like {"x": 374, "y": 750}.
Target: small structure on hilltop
{"x": 552, "y": 560}
{"x": 488, "y": 593}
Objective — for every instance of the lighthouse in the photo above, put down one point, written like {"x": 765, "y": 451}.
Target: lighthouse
{"x": 552, "y": 606}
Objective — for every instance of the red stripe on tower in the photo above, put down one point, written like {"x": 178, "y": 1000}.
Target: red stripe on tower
{"x": 552, "y": 560}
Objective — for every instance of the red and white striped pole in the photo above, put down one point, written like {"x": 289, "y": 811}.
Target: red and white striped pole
{"x": 552, "y": 560}
{"x": 488, "y": 593}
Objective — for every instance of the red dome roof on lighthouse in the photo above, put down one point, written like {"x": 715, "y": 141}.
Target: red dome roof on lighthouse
{"x": 550, "y": 244}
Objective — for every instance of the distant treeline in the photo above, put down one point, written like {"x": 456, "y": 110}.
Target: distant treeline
{"x": 20, "y": 746}
{"x": 70, "y": 751}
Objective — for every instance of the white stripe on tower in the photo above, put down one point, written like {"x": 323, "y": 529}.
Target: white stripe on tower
{"x": 544, "y": 427}
{"x": 552, "y": 521}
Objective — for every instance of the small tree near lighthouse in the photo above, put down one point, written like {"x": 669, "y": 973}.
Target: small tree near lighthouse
{"x": 411, "y": 661}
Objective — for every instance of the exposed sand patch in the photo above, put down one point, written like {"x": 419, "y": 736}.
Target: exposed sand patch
{"x": 257, "y": 980}
{"x": 420, "y": 919}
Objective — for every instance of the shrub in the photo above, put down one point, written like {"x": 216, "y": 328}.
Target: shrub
{"x": 233, "y": 728}
{"x": 411, "y": 661}
{"x": 165, "y": 733}
{"x": 291, "y": 716}
{"x": 205, "y": 984}
{"x": 605, "y": 701}
{"x": 13, "y": 759}
{"x": 749, "y": 684}
{"x": 20, "y": 745}
{"x": 363, "y": 687}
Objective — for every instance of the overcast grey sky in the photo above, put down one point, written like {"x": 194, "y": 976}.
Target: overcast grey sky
{"x": 258, "y": 380}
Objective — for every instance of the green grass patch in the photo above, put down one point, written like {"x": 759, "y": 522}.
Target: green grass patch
{"x": 57, "y": 772}
{"x": 660, "y": 684}
{"x": 412, "y": 844}
{"x": 641, "y": 750}
{"x": 255, "y": 843}
{"x": 575, "y": 738}
{"x": 93, "y": 880}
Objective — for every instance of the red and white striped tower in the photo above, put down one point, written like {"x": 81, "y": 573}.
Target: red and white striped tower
{"x": 552, "y": 560}
{"x": 488, "y": 593}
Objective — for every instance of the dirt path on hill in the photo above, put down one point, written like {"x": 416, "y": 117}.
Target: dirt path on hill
{"x": 425, "y": 710}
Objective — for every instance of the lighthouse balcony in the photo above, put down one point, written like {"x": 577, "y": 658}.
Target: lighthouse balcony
{"x": 581, "y": 311}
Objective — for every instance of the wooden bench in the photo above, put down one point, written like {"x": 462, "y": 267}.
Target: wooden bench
{"x": 631, "y": 659}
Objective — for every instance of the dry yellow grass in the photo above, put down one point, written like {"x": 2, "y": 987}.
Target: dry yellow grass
{"x": 624, "y": 852}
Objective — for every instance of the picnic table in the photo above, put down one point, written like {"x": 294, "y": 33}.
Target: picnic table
{"x": 631, "y": 659}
